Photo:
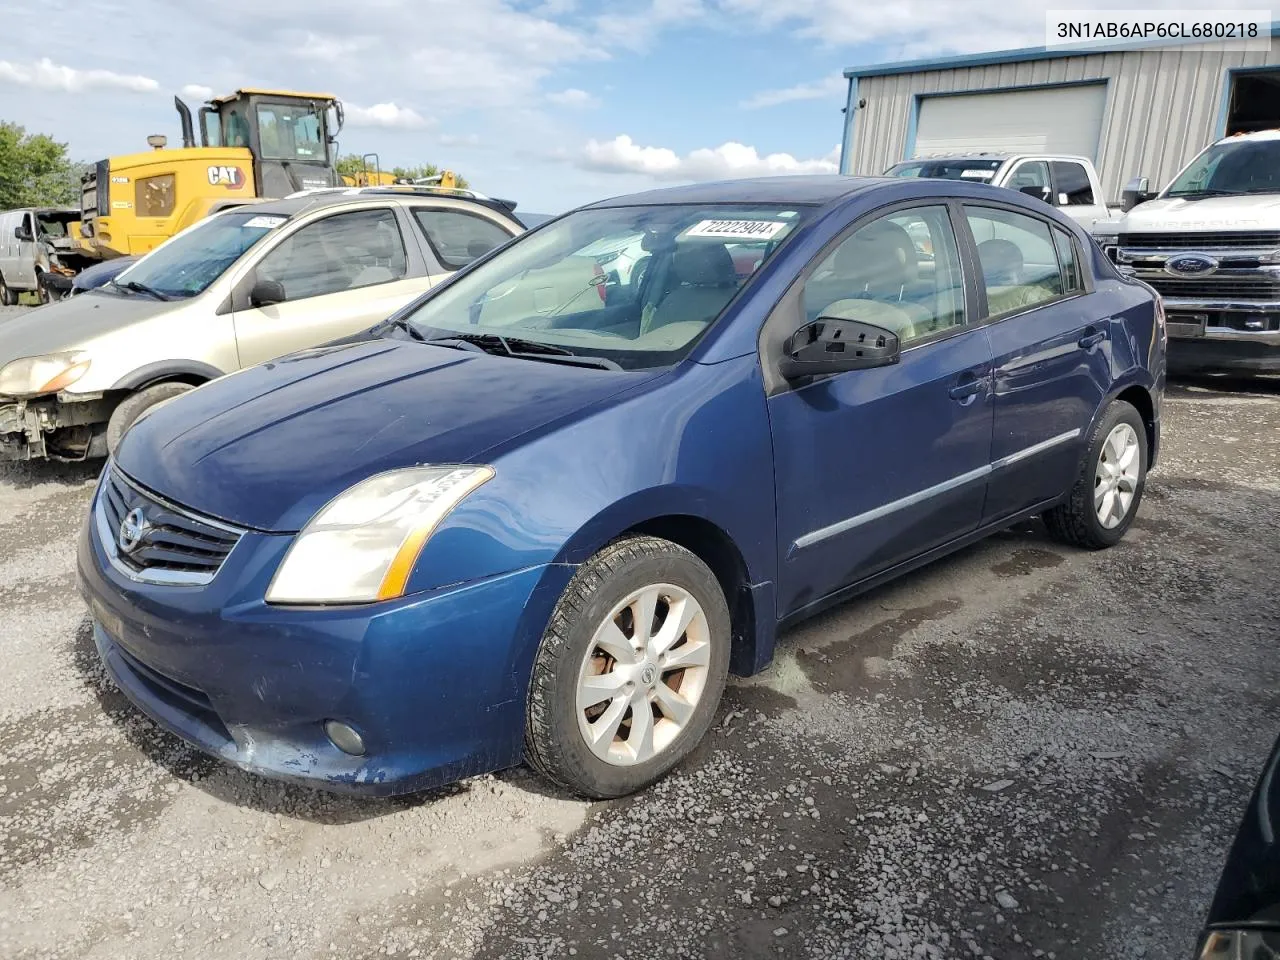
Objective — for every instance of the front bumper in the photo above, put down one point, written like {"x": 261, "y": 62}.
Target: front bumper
{"x": 434, "y": 683}
{"x": 54, "y": 428}
{"x": 1216, "y": 338}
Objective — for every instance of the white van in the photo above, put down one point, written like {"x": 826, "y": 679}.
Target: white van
{"x": 37, "y": 253}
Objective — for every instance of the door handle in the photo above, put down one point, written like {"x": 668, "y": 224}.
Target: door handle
{"x": 967, "y": 386}
{"x": 1092, "y": 338}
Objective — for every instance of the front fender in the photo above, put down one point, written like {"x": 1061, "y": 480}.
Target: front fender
{"x": 167, "y": 370}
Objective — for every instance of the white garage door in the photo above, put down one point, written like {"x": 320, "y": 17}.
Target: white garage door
{"x": 1057, "y": 120}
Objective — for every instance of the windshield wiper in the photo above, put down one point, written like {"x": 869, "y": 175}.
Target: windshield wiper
{"x": 408, "y": 328}
{"x": 524, "y": 349}
{"x": 136, "y": 287}
{"x": 1196, "y": 194}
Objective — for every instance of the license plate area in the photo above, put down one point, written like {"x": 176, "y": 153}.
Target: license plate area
{"x": 1186, "y": 325}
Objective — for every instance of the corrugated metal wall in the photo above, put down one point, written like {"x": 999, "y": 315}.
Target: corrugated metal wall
{"x": 1162, "y": 107}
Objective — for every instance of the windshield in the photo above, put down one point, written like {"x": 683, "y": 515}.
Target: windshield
{"x": 186, "y": 265}
{"x": 1238, "y": 166}
{"x": 55, "y": 225}
{"x": 636, "y": 286}
{"x": 290, "y": 132}
{"x": 980, "y": 171}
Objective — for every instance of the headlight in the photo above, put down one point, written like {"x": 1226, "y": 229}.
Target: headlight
{"x": 37, "y": 376}
{"x": 362, "y": 546}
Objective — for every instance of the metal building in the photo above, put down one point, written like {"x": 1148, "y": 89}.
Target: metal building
{"x": 1134, "y": 110}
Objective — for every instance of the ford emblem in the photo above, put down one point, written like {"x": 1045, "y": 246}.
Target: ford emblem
{"x": 1190, "y": 265}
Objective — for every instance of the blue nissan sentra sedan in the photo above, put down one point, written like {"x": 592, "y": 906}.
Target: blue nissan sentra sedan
{"x": 541, "y": 513}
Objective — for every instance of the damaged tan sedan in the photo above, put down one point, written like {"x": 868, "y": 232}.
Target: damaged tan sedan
{"x": 236, "y": 289}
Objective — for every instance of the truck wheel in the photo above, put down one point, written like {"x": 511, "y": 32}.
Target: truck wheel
{"x": 630, "y": 669}
{"x": 8, "y": 298}
{"x": 134, "y": 405}
{"x": 1107, "y": 492}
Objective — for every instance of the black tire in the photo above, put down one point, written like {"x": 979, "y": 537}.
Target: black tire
{"x": 8, "y": 298}
{"x": 553, "y": 743}
{"x": 133, "y": 406}
{"x": 1075, "y": 521}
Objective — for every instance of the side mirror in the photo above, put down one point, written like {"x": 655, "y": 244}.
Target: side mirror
{"x": 832, "y": 345}
{"x": 23, "y": 234}
{"x": 1040, "y": 193}
{"x": 266, "y": 292}
{"x": 1136, "y": 191}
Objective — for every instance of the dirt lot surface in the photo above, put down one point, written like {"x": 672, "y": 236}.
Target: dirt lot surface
{"x": 1022, "y": 751}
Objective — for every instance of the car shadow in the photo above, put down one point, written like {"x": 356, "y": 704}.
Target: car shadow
{"x": 1187, "y": 384}
{"x": 23, "y": 474}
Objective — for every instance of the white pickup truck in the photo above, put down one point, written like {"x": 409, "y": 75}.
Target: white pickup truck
{"x": 1068, "y": 183}
{"x": 1209, "y": 244}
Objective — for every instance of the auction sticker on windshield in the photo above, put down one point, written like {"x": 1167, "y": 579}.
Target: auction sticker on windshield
{"x": 265, "y": 222}
{"x": 737, "y": 229}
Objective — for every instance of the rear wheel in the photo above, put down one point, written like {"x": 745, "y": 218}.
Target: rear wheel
{"x": 134, "y": 405}
{"x": 1113, "y": 475}
{"x": 630, "y": 669}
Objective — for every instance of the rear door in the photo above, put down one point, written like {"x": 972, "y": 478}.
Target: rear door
{"x": 8, "y": 247}
{"x": 1051, "y": 351}
{"x": 340, "y": 275}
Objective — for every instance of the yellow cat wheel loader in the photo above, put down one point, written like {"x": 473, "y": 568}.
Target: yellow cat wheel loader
{"x": 254, "y": 144}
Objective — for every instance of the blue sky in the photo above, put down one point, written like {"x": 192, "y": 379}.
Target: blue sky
{"x": 552, "y": 103}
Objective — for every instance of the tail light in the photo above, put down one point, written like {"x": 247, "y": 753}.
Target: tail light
{"x": 1160, "y": 317}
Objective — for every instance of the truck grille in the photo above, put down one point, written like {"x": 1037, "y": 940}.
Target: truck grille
{"x": 1261, "y": 287}
{"x": 1201, "y": 241}
{"x": 172, "y": 545}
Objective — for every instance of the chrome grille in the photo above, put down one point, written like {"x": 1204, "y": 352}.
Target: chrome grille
{"x": 1202, "y": 241}
{"x": 1258, "y": 287}
{"x": 173, "y": 545}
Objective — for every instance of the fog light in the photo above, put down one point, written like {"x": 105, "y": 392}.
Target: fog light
{"x": 344, "y": 738}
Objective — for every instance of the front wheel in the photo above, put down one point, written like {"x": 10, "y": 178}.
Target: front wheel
{"x": 8, "y": 298}
{"x": 630, "y": 669}
{"x": 134, "y": 405}
{"x": 1108, "y": 490}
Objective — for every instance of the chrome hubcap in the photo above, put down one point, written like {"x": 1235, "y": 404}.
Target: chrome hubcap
{"x": 1116, "y": 480}
{"x": 644, "y": 673}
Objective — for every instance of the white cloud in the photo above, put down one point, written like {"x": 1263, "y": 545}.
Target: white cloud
{"x": 573, "y": 98}
{"x": 829, "y": 88}
{"x": 197, "y": 91}
{"x": 47, "y": 75}
{"x": 725, "y": 162}
{"x": 387, "y": 115}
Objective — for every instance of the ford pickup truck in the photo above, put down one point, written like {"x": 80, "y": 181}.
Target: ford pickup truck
{"x": 1068, "y": 183}
{"x": 1209, "y": 244}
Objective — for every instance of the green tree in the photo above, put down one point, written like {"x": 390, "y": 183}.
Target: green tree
{"x": 34, "y": 170}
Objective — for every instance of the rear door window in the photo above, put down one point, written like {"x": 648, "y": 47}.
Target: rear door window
{"x": 1019, "y": 258}
{"x": 458, "y": 237}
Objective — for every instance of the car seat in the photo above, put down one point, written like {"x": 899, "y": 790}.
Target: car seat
{"x": 1002, "y": 269}
{"x": 388, "y": 258}
{"x": 703, "y": 281}
{"x": 869, "y": 281}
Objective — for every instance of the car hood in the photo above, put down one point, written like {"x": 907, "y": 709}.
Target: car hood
{"x": 265, "y": 448}
{"x": 1259, "y": 211}
{"x": 67, "y": 324}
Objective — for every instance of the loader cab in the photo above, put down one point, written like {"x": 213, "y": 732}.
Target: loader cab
{"x": 290, "y": 135}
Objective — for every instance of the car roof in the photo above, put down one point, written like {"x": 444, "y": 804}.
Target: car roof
{"x": 292, "y": 206}
{"x": 962, "y": 158}
{"x": 809, "y": 190}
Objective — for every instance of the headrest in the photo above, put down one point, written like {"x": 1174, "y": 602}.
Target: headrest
{"x": 1001, "y": 262}
{"x": 852, "y": 257}
{"x": 704, "y": 265}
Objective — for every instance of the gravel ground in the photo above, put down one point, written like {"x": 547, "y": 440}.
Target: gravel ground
{"x": 1021, "y": 751}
